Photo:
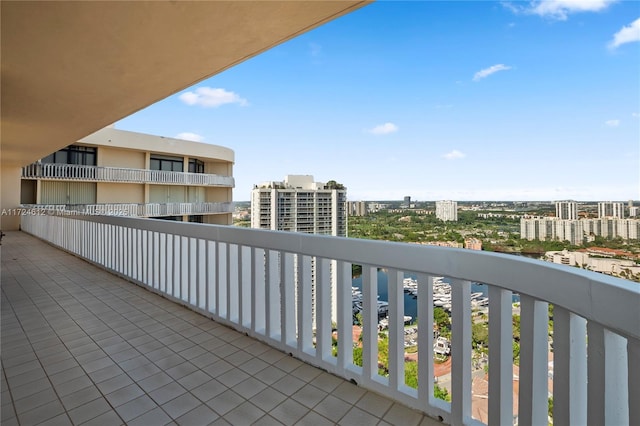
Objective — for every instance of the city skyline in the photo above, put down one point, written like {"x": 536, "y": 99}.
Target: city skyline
{"x": 440, "y": 100}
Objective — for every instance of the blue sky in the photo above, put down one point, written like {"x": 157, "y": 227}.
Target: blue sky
{"x": 463, "y": 100}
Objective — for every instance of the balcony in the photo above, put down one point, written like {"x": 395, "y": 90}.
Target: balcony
{"x": 259, "y": 283}
{"x": 53, "y": 171}
{"x": 133, "y": 210}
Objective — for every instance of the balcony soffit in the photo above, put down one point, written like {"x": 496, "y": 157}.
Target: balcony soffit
{"x": 72, "y": 68}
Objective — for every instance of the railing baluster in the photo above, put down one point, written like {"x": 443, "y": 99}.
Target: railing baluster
{"x": 323, "y": 308}
{"x": 533, "y": 389}
{"x": 345, "y": 315}
{"x": 425, "y": 338}
{"x": 273, "y": 302}
{"x": 223, "y": 277}
{"x": 396, "y": 329}
{"x": 370, "y": 319}
{"x": 258, "y": 287}
{"x": 616, "y": 390}
{"x": 460, "y": 351}
{"x": 198, "y": 266}
{"x": 287, "y": 309}
{"x": 500, "y": 356}
{"x": 569, "y": 368}
{"x": 596, "y": 370}
{"x": 206, "y": 277}
{"x": 305, "y": 343}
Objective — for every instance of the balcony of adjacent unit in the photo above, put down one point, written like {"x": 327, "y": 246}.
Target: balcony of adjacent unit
{"x": 78, "y": 172}
{"x": 134, "y": 209}
{"x": 284, "y": 293}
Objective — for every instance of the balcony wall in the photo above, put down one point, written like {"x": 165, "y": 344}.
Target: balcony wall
{"x": 77, "y": 172}
{"x": 260, "y": 283}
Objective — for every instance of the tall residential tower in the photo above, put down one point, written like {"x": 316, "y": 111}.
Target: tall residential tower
{"x": 447, "y": 210}
{"x": 611, "y": 209}
{"x": 301, "y": 205}
{"x": 566, "y": 210}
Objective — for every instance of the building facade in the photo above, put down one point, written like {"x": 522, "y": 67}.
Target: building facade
{"x": 299, "y": 204}
{"x": 578, "y": 230}
{"x": 447, "y": 210}
{"x": 116, "y": 172}
{"x": 357, "y": 208}
{"x": 566, "y": 210}
{"x": 611, "y": 209}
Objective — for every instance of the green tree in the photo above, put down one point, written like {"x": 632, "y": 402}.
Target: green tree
{"x": 411, "y": 374}
{"x": 441, "y": 318}
{"x": 383, "y": 355}
{"x": 480, "y": 334}
{"x": 441, "y": 393}
{"x": 357, "y": 356}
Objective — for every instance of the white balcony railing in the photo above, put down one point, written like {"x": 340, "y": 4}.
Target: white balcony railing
{"x": 128, "y": 209}
{"x": 118, "y": 174}
{"x": 260, "y": 282}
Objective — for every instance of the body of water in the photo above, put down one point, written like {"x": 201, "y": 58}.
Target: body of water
{"x": 410, "y": 302}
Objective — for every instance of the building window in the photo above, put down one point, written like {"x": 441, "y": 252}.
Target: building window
{"x": 74, "y": 154}
{"x": 196, "y": 166}
{"x": 196, "y": 218}
{"x": 166, "y": 163}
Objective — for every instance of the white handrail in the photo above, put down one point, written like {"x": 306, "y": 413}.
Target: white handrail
{"x": 132, "y": 209}
{"x": 120, "y": 174}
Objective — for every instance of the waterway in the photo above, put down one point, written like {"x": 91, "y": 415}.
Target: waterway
{"x": 410, "y": 302}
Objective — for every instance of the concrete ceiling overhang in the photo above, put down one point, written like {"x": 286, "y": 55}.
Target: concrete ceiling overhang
{"x": 70, "y": 68}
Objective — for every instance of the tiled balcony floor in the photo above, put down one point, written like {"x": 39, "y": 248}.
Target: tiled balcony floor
{"x": 81, "y": 346}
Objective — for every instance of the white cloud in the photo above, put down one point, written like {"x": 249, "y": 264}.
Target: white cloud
{"x": 384, "y": 129}
{"x": 211, "y": 97}
{"x": 627, "y": 34}
{"x": 612, "y": 123}
{"x": 453, "y": 155}
{"x": 635, "y": 114}
{"x": 488, "y": 71}
{"x": 188, "y": 136}
{"x": 559, "y": 9}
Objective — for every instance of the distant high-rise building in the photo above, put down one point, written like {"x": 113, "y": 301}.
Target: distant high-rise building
{"x": 577, "y": 230}
{"x": 447, "y": 210}
{"x": 566, "y": 210}
{"x": 611, "y": 209}
{"x": 299, "y": 204}
{"x": 357, "y": 208}
{"x": 407, "y": 201}
{"x": 633, "y": 211}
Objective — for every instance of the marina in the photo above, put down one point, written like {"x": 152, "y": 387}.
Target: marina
{"x": 441, "y": 295}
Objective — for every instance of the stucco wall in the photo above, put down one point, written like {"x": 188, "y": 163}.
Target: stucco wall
{"x": 113, "y": 157}
{"x": 120, "y": 193}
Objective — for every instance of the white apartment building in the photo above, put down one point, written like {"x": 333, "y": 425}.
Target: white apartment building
{"x": 566, "y": 210}
{"x": 117, "y": 172}
{"x": 447, "y": 210}
{"x": 611, "y": 209}
{"x": 301, "y": 205}
{"x": 575, "y": 231}
{"x": 357, "y": 208}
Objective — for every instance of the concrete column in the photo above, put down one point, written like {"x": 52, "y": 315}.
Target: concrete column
{"x": 9, "y": 198}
